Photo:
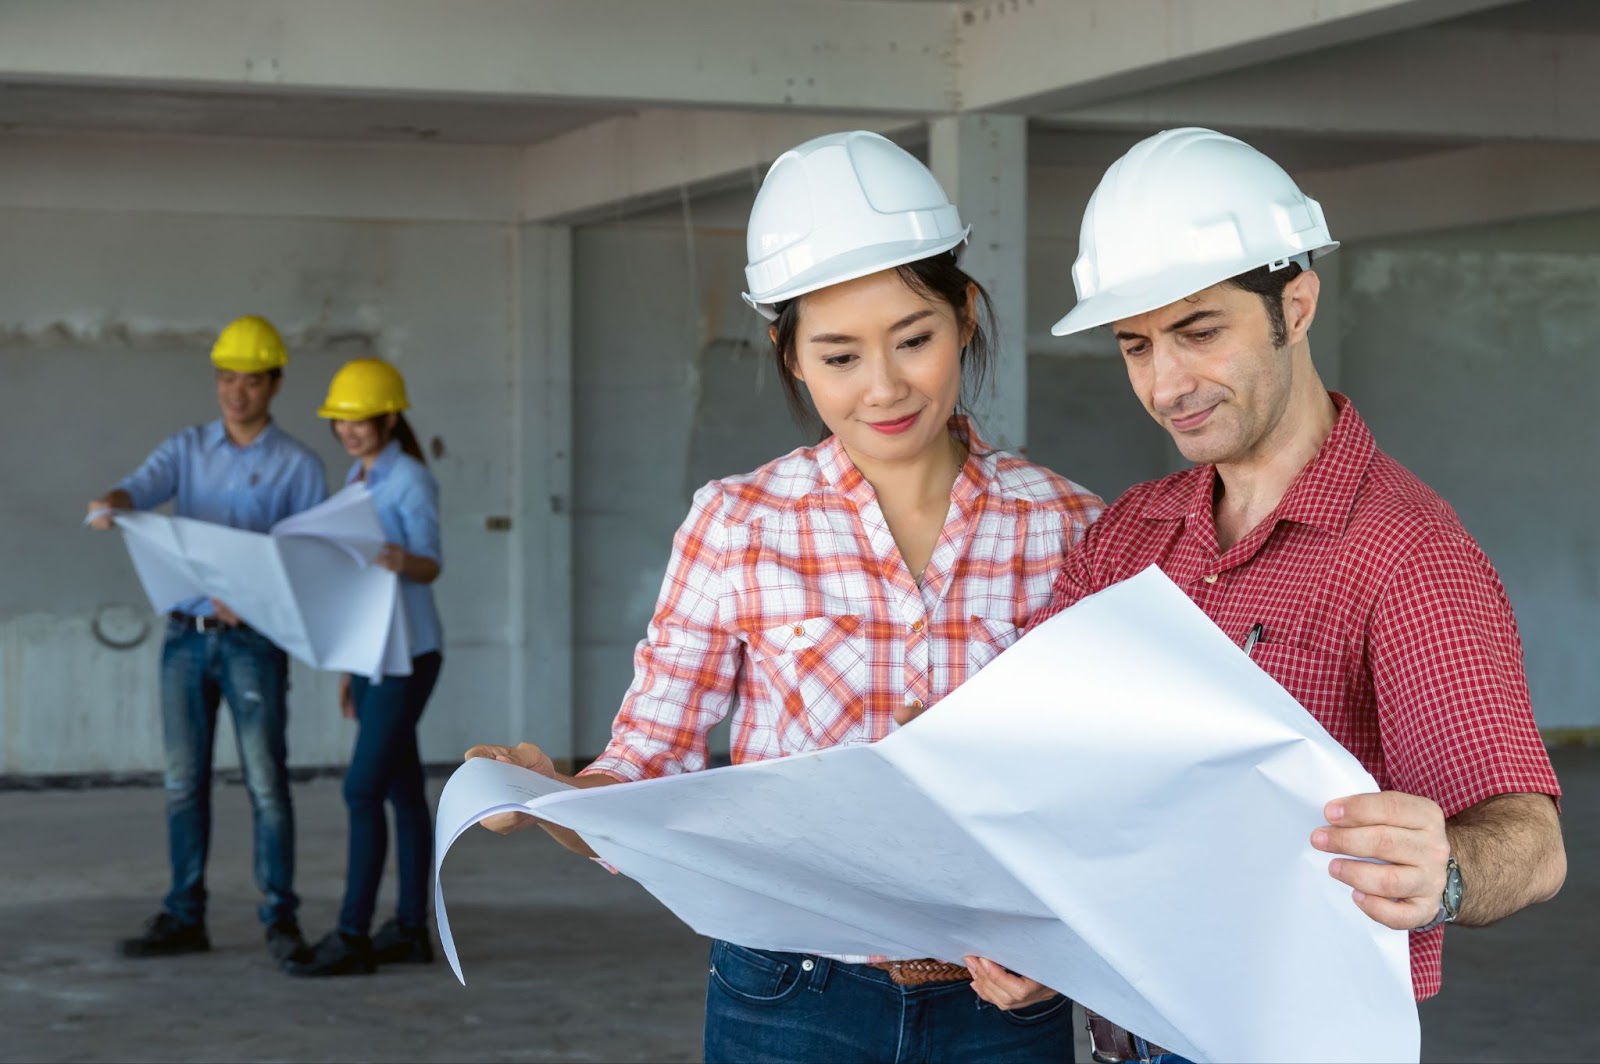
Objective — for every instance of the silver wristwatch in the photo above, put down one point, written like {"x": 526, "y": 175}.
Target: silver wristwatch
{"x": 1450, "y": 901}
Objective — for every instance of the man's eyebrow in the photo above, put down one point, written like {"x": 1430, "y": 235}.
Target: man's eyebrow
{"x": 1182, "y": 323}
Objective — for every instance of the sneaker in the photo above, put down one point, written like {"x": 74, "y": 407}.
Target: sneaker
{"x": 166, "y": 936}
{"x": 336, "y": 953}
{"x": 285, "y": 942}
{"x": 397, "y": 944}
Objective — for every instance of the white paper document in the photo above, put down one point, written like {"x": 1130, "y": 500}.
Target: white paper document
{"x": 308, "y": 585}
{"x": 1119, "y": 806}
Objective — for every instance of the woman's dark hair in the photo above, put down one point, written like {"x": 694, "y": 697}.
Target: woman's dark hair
{"x": 402, "y": 432}
{"x": 407, "y": 438}
{"x": 938, "y": 277}
{"x": 1269, "y": 285}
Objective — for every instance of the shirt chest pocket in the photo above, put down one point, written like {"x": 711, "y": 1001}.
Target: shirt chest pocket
{"x": 817, "y": 675}
{"x": 986, "y": 638}
{"x": 1318, "y": 680}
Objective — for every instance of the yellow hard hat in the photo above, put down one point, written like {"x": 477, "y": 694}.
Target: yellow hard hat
{"x": 249, "y": 345}
{"x": 364, "y": 388}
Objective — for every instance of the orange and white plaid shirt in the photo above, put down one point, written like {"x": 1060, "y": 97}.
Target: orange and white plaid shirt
{"x": 786, "y": 589}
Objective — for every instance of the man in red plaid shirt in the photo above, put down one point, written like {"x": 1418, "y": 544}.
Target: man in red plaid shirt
{"x": 1348, "y": 580}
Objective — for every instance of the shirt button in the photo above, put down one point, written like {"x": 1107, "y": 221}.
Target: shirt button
{"x": 916, "y": 703}
{"x": 1210, "y": 578}
{"x": 916, "y": 626}
{"x": 800, "y": 629}
{"x": 807, "y": 964}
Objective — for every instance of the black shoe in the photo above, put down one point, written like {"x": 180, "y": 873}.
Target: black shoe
{"x": 166, "y": 936}
{"x": 397, "y": 944}
{"x": 285, "y": 942}
{"x": 337, "y": 953}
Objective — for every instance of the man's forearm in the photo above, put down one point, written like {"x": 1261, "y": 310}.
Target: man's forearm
{"x": 1510, "y": 853}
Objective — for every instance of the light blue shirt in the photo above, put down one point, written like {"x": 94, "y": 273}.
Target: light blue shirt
{"x": 407, "y": 499}
{"x": 213, "y": 479}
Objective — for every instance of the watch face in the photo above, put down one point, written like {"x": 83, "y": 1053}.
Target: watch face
{"x": 1452, "y": 888}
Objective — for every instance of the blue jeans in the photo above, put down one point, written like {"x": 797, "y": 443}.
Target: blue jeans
{"x": 783, "y": 1007}
{"x": 386, "y": 766}
{"x": 198, "y": 670}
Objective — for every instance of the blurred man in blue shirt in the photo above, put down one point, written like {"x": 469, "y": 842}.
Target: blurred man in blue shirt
{"x": 240, "y": 470}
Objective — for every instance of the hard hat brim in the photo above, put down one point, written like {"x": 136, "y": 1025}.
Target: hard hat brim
{"x": 335, "y": 413}
{"x": 1129, "y": 301}
{"x": 233, "y": 365}
{"x": 857, "y": 264}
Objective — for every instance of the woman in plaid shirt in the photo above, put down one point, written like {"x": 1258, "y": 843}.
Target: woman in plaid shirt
{"x": 840, "y": 590}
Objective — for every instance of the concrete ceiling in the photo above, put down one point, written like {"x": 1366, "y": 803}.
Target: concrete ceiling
{"x": 1538, "y": 16}
{"x": 288, "y": 115}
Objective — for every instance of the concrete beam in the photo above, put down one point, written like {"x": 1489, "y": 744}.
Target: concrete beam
{"x": 643, "y": 160}
{"x": 259, "y": 178}
{"x": 1047, "y": 55}
{"x": 818, "y": 55}
{"x": 1482, "y": 185}
{"x": 1444, "y": 82}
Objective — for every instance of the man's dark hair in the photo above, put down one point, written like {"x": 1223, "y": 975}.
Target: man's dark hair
{"x": 1269, "y": 285}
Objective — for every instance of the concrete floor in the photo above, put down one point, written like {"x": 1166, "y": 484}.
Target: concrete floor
{"x": 565, "y": 962}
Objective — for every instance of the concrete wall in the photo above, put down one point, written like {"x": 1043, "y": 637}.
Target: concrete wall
{"x": 106, "y": 319}
{"x": 1472, "y": 356}
{"x": 592, "y": 434}
{"x": 674, "y": 386}
{"x": 665, "y": 347}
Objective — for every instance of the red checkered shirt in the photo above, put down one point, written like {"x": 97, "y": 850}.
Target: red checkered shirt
{"x": 1380, "y": 613}
{"x": 786, "y": 589}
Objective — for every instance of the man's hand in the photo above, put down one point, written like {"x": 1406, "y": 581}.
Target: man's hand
{"x": 347, "y": 705}
{"x": 1404, "y": 830}
{"x": 102, "y": 508}
{"x": 528, "y": 756}
{"x": 1005, "y": 989}
{"x": 392, "y": 557}
{"x": 228, "y": 618}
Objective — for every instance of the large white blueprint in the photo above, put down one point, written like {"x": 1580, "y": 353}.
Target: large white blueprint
{"x": 1120, "y": 806}
{"x": 309, "y": 584}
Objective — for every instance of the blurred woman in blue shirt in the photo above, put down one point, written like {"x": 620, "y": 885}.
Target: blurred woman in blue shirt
{"x": 365, "y": 403}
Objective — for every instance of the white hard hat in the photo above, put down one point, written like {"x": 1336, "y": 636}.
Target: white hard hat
{"x": 840, "y": 207}
{"x": 1180, "y": 212}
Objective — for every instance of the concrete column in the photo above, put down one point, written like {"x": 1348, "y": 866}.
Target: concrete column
{"x": 541, "y": 706}
{"x": 982, "y": 161}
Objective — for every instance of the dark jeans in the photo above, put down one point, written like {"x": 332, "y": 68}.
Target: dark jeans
{"x": 198, "y": 670}
{"x": 386, "y": 766}
{"x": 786, "y": 1007}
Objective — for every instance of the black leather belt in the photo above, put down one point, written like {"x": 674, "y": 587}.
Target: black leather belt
{"x": 1110, "y": 1043}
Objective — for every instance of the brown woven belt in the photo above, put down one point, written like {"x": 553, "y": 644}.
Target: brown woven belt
{"x": 926, "y": 970}
{"x": 1108, "y": 1042}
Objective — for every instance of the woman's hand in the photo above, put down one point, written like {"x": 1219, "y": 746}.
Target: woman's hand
{"x": 347, "y": 705}
{"x": 527, "y": 756}
{"x": 1003, "y": 988}
{"x": 392, "y": 557}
